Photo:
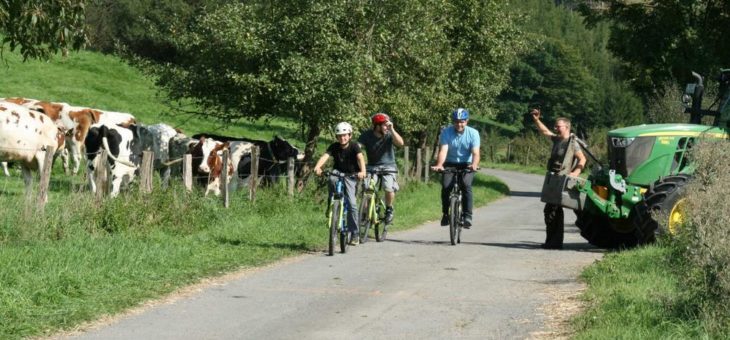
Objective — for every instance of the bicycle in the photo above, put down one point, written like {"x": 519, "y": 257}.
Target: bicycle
{"x": 336, "y": 214}
{"x": 456, "y": 222}
{"x": 372, "y": 206}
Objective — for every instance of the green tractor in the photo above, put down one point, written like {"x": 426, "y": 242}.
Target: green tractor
{"x": 639, "y": 193}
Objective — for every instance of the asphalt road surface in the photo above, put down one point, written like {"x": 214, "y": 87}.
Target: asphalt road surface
{"x": 496, "y": 284}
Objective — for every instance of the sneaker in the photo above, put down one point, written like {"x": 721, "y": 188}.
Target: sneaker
{"x": 467, "y": 222}
{"x": 389, "y": 215}
{"x": 354, "y": 240}
{"x": 445, "y": 220}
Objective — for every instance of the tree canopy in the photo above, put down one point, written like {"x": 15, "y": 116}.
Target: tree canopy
{"x": 42, "y": 27}
{"x": 320, "y": 62}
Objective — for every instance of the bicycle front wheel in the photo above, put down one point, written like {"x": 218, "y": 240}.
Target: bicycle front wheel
{"x": 380, "y": 231}
{"x": 454, "y": 217}
{"x": 365, "y": 217}
{"x": 334, "y": 222}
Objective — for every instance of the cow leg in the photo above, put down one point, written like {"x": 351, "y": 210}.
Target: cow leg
{"x": 28, "y": 179}
{"x": 165, "y": 176}
{"x": 5, "y": 168}
{"x": 75, "y": 150}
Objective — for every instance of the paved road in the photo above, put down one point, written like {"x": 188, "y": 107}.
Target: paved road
{"x": 497, "y": 284}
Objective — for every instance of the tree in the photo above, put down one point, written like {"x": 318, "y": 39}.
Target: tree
{"x": 320, "y": 62}
{"x": 42, "y": 27}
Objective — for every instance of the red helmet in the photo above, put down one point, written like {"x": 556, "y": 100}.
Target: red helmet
{"x": 379, "y": 118}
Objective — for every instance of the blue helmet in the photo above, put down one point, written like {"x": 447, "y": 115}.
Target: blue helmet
{"x": 460, "y": 114}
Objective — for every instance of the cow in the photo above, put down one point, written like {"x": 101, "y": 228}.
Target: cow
{"x": 208, "y": 163}
{"x": 156, "y": 138}
{"x": 273, "y": 157}
{"x": 24, "y": 135}
{"x": 76, "y": 120}
{"x": 118, "y": 141}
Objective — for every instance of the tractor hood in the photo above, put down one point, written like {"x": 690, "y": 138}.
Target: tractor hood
{"x": 659, "y": 130}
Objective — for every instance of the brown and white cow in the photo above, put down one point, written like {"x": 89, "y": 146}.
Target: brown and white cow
{"x": 24, "y": 135}
{"x": 208, "y": 164}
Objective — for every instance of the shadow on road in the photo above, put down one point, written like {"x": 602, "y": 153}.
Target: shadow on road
{"x": 524, "y": 193}
{"x": 582, "y": 247}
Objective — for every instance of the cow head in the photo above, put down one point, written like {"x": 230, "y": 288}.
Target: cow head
{"x": 282, "y": 149}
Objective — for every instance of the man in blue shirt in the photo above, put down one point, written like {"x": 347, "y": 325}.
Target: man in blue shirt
{"x": 458, "y": 148}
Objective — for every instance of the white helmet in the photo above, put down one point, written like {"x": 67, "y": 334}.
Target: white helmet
{"x": 343, "y": 128}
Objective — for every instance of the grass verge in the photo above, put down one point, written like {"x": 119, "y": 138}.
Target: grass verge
{"x": 83, "y": 259}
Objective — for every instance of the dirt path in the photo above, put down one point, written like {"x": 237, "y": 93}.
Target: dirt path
{"x": 497, "y": 284}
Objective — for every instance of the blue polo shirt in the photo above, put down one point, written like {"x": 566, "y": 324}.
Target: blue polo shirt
{"x": 460, "y": 144}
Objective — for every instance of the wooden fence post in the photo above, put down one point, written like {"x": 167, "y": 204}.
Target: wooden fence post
{"x": 145, "y": 172}
{"x": 419, "y": 164}
{"x": 527, "y": 155}
{"x": 406, "y": 164}
{"x": 509, "y": 152}
{"x": 253, "y": 178}
{"x": 427, "y": 164}
{"x": 187, "y": 171}
{"x": 290, "y": 175}
{"x": 224, "y": 178}
{"x": 101, "y": 175}
{"x": 491, "y": 153}
{"x": 45, "y": 177}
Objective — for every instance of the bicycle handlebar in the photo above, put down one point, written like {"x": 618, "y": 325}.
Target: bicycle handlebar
{"x": 337, "y": 173}
{"x": 456, "y": 170}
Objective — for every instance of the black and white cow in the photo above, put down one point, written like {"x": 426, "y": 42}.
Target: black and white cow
{"x": 155, "y": 138}
{"x": 272, "y": 158}
{"x": 118, "y": 142}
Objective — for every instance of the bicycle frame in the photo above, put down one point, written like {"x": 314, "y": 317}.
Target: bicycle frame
{"x": 336, "y": 209}
{"x": 455, "y": 201}
{"x": 371, "y": 216}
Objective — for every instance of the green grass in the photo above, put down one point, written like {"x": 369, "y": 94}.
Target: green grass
{"x": 641, "y": 294}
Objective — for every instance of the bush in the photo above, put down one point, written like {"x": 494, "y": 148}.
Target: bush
{"x": 704, "y": 238}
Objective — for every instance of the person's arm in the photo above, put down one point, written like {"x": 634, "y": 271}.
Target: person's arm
{"x": 581, "y": 164}
{"x": 397, "y": 139}
{"x": 475, "y": 158}
{"x": 441, "y": 158}
{"x": 361, "y": 164}
{"x": 540, "y": 126}
{"x": 320, "y": 163}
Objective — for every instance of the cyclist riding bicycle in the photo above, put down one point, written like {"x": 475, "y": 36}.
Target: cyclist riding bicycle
{"x": 347, "y": 159}
{"x": 378, "y": 143}
{"x": 458, "y": 148}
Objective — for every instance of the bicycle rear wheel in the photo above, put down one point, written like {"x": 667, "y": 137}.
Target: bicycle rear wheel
{"x": 334, "y": 222}
{"x": 365, "y": 217}
{"x": 454, "y": 217}
{"x": 380, "y": 226}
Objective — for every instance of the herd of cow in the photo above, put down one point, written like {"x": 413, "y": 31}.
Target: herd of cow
{"x": 29, "y": 126}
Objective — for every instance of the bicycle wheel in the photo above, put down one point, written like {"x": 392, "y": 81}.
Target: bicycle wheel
{"x": 365, "y": 217}
{"x": 343, "y": 240}
{"x": 454, "y": 216}
{"x": 380, "y": 226}
{"x": 334, "y": 222}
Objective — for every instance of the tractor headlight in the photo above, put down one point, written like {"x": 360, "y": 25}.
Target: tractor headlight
{"x": 619, "y": 142}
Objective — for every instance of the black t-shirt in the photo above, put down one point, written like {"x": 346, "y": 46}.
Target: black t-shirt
{"x": 345, "y": 159}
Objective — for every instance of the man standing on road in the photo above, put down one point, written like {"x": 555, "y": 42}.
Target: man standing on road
{"x": 378, "y": 143}
{"x": 566, "y": 158}
{"x": 458, "y": 148}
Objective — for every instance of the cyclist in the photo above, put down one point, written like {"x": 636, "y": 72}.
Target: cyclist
{"x": 459, "y": 148}
{"x": 348, "y": 159}
{"x": 378, "y": 143}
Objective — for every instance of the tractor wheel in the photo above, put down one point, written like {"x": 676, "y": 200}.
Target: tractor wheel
{"x": 603, "y": 232}
{"x": 662, "y": 210}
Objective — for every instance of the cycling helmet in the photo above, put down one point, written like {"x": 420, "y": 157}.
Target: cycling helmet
{"x": 379, "y": 118}
{"x": 343, "y": 128}
{"x": 460, "y": 114}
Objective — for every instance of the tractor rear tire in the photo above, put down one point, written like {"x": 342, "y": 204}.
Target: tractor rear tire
{"x": 603, "y": 232}
{"x": 652, "y": 215}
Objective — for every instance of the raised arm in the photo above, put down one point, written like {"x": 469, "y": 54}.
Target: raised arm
{"x": 540, "y": 126}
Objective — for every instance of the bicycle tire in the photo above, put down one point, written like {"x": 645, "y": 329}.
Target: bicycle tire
{"x": 333, "y": 225}
{"x": 365, "y": 218}
{"x": 343, "y": 241}
{"x": 454, "y": 215}
{"x": 380, "y": 227}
